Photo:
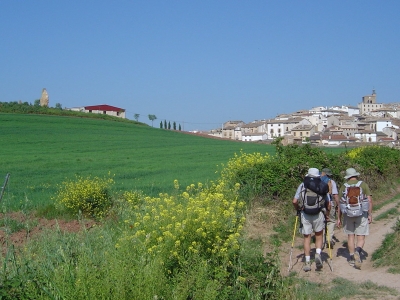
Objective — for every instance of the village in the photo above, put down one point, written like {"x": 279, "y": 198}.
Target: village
{"x": 369, "y": 122}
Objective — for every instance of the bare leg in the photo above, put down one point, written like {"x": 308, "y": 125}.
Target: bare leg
{"x": 318, "y": 239}
{"x": 307, "y": 244}
{"x": 360, "y": 241}
{"x": 350, "y": 243}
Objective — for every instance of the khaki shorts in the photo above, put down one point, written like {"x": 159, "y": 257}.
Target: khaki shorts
{"x": 356, "y": 225}
{"x": 312, "y": 223}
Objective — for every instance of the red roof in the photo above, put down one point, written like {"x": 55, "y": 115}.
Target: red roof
{"x": 104, "y": 107}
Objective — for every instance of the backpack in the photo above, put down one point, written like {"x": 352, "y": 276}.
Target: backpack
{"x": 313, "y": 195}
{"x": 353, "y": 202}
{"x": 327, "y": 180}
{"x": 317, "y": 185}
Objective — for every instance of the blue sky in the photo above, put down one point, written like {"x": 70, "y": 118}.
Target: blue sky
{"x": 200, "y": 63}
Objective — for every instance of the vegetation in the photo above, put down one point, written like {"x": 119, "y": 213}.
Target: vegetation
{"x": 187, "y": 242}
{"x": 388, "y": 254}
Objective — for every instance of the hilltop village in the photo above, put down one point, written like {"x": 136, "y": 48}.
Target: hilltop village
{"x": 369, "y": 122}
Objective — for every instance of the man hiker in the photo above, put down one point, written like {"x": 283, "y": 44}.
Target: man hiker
{"x": 356, "y": 209}
{"x": 311, "y": 200}
{"x": 326, "y": 176}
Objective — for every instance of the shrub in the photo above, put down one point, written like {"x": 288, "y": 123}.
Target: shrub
{"x": 91, "y": 196}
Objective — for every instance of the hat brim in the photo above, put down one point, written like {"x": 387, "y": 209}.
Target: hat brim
{"x": 312, "y": 175}
{"x": 353, "y": 175}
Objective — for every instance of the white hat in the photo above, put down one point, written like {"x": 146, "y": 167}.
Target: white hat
{"x": 313, "y": 172}
{"x": 351, "y": 172}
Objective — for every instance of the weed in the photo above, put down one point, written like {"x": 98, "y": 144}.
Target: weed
{"x": 387, "y": 214}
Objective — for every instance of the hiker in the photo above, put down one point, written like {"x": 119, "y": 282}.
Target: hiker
{"x": 326, "y": 176}
{"x": 311, "y": 204}
{"x": 356, "y": 209}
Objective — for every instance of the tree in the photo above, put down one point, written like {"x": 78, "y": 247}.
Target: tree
{"x": 37, "y": 102}
{"x": 174, "y": 125}
{"x": 152, "y": 118}
{"x": 58, "y": 105}
{"x": 165, "y": 124}
{"x": 161, "y": 124}
{"x": 136, "y": 116}
{"x": 169, "y": 125}
{"x": 180, "y": 127}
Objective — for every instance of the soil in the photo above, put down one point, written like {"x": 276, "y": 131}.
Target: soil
{"x": 37, "y": 226}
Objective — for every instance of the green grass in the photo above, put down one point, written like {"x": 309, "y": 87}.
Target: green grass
{"x": 389, "y": 213}
{"x": 388, "y": 253}
{"x": 42, "y": 151}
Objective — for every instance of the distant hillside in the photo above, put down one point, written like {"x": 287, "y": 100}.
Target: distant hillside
{"x": 27, "y": 108}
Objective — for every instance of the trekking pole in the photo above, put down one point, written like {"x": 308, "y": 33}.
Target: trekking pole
{"x": 4, "y": 186}
{"x": 329, "y": 246}
{"x": 291, "y": 249}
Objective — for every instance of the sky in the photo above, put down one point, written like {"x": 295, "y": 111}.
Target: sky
{"x": 200, "y": 63}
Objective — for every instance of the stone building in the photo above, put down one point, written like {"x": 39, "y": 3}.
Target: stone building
{"x": 44, "y": 99}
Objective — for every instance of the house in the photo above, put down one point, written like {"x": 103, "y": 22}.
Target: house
{"x": 102, "y": 109}
{"x": 232, "y": 130}
{"x": 253, "y": 127}
{"x": 254, "y": 136}
{"x": 366, "y": 136}
{"x": 303, "y": 132}
{"x": 335, "y": 140}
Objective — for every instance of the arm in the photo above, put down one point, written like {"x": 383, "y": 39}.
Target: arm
{"x": 339, "y": 212}
{"x": 370, "y": 209}
{"x": 295, "y": 204}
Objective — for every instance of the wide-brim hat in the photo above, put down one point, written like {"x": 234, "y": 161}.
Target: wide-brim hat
{"x": 327, "y": 171}
{"x": 313, "y": 172}
{"x": 351, "y": 172}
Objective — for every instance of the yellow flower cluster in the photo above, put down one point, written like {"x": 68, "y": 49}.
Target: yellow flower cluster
{"x": 354, "y": 153}
{"x": 89, "y": 195}
{"x": 243, "y": 162}
{"x": 207, "y": 221}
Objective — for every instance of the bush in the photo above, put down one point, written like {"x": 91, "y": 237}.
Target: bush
{"x": 90, "y": 196}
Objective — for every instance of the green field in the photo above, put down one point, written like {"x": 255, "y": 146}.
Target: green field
{"x": 42, "y": 151}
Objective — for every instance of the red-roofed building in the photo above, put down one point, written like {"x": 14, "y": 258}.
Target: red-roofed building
{"x": 102, "y": 109}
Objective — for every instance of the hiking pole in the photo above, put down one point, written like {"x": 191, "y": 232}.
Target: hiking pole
{"x": 4, "y": 186}
{"x": 291, "y": 249}
{"x": 329, "y": 246}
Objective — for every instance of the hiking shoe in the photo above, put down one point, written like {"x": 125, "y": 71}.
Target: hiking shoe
{"x": 307, "y": 266}
{"x": 352, "y": 262}
{"x": 357, "y": 260}
{"x": 318, "y": 261}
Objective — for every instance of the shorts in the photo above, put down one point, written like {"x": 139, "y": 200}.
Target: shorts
{"x": 312, "y": 223}
{"x": 356, "y": 225}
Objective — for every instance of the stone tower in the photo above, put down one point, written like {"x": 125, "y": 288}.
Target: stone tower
{"x": 44, "y": 99}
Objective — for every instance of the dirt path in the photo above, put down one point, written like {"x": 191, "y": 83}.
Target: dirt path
{"x": 340, "y": 255}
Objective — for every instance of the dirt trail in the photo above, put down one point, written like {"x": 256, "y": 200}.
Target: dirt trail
{"x": 340, "y": 255}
